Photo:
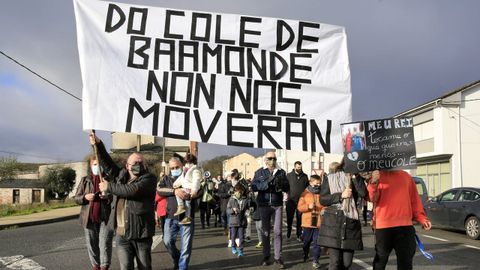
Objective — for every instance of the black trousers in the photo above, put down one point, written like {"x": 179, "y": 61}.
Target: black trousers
{"x": 340, "y": 259}
{"x": 291, "y": 209}
{"x": 402, "y": 240}
{"x": 205, "y": 213}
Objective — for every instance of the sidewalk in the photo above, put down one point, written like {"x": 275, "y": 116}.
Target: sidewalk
{"x": 54, "y": 215}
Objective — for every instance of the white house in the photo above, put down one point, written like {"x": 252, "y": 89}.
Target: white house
{"x": 447, "y": 137}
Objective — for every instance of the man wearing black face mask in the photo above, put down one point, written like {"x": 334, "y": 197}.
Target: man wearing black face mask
{"x": 133, "y": 214}
{"x": 298, "y": 181}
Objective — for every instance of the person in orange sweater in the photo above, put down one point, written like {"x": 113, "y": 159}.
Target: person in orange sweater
{"x": 397, "y": 203}
{"x": 310, "y": 207}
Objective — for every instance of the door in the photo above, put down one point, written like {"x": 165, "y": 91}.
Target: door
{"x": 465, "y": 201}
{"x": 438, "y": 210}
{"x": 36, "y": 196}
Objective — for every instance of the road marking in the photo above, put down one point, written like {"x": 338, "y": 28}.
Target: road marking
{"x": 20, "y": 262}
{"x": 363, "y": 264}
{"x": 436, "y": 238}
{"x": 472, "y": 247}
{"x": 157, "y": 239}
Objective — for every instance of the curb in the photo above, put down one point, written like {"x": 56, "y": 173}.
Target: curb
{"x": 37, "y": 222}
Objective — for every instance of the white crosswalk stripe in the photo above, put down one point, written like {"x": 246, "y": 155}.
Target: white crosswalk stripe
{"x": 19, "y": 262}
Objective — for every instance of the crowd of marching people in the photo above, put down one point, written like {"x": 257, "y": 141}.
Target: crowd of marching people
{"x": 125, "y": 203}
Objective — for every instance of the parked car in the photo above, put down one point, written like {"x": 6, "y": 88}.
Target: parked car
{"x": 457, "y": 208}
{"x": 422, "y": 190}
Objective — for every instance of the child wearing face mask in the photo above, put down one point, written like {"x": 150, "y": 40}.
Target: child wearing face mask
{"x": 189, "y": 181}
{"x": 309, "y": 205}
{"x": 236, "y": 208}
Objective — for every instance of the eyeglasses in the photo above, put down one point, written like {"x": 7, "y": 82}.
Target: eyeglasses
{"x": 174, "y": 168}
{"x": 271, "y": 158}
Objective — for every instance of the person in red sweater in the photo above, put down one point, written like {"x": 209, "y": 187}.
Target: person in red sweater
{"x": 161, "y": 210}
{"x": 397, "y": 203}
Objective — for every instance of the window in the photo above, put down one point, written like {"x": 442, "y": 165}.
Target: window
{"x": 437, "y": 177}
{"x": 419, "y": 188}
{"x": 448, "y": 196}
{"x": 468, "y": 195}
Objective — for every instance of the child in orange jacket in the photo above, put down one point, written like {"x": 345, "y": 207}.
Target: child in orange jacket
{"x": 309, "y": 205}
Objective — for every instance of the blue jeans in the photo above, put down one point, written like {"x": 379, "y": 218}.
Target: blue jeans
{"x": 128, "y": 250}
{"x": 267, "y": 213}
{"x": 99, "y": 243}
{"x": 181, "y": 257}
{"x": 310, "y": 236}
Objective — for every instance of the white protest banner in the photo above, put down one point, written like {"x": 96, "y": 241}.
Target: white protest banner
{"x": 214, "y": 78}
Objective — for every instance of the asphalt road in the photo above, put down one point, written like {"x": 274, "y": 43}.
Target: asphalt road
{"x": 62, "y": 246}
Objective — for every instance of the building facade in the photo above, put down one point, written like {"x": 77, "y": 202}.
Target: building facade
{"x": 245, "y": 163}
{"x": 21, "y": 191}
{"x": 447, "y": 139}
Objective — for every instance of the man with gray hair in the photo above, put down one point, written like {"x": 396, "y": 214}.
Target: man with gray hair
{"x": 133, "y": 212}
{"x": 270, "y": 182}
{"x": 173, "y": 226}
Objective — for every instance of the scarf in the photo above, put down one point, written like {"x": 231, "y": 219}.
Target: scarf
{"x": 338, "y": 182}
{"x": 313, "y": 190}
{"x": 96, "y": 204}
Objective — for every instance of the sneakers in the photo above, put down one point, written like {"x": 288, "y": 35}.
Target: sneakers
{"x": 316, "y": 265}
{"x": 299, "y": 239}
{"x": 234, "y": 250}
{"x": 259, "y": 245}
{"x": 279, "y": 263}
{"x": 180, "y": 210}
{"x": 186, "y": 221}
{"x": 265, "y": 261}
{"x": 240, "y": 253}
{"x": 247, "y": 239}
{"x": 229, "y": 243}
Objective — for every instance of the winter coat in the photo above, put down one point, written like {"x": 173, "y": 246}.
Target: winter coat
{"x": 139, "y": 196}
{"x": 85, "y": 187}
{"x": 224, "y": 194}
{"x": 165, "y": 189}
{"x": 337, "y": 230}
{"x": 298, "y": 183}
{"x": 305, "y": 200}
{"x": 237, "y": 219}
{"x": 270, "y": 186}
{"x": 160, "y": 205}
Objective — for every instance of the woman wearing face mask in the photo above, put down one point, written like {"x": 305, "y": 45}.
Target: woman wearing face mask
{"x": 341, "y": 230}
{"x": 94, "y": 216}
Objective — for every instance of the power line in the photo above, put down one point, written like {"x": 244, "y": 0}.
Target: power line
{"x": 40, "y": 76}
{"x": 29, "y": 155}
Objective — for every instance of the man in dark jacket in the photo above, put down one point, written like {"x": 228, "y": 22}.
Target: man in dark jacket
{"x": 298, "y": 182}
{"x": 224, "y": 194}
{"x": 181, "y": 257}
{"x": 270, "y": 181}
{"x": 133, "y": 207}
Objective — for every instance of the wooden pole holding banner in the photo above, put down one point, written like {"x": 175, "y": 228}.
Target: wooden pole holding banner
{"x": 95, "y": 152}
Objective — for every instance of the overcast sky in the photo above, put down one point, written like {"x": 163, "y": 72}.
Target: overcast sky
{"x": 402, "y": 54}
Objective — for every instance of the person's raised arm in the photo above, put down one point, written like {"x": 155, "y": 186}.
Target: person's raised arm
{"x": 105, "y": 160}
